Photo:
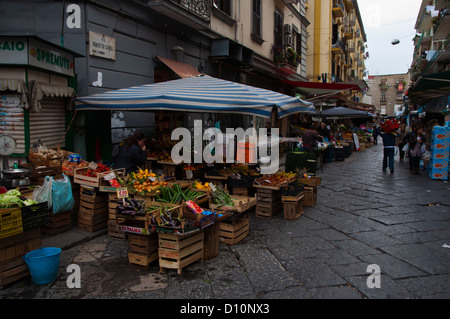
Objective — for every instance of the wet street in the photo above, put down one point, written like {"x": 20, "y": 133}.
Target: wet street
{"x": 364, "y": 216}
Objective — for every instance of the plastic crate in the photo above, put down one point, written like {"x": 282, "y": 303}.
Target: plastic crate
{"x": 35, "y": 216}
{"x": 390, "y": 125}
{"x": 10, "y": 222}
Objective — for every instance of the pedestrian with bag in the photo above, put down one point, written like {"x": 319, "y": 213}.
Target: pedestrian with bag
{"x": 415, "y": 141}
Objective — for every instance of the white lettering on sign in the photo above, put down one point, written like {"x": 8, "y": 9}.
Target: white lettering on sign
{"x": 74, "y": 19}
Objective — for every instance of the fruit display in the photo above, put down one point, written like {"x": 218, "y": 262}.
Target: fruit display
{"x": 101, "y": 168}
{"x": 191, "y": 167}
{"x": 275, "y": 179}
{"x": 174, "y": 194}
{"x": 239, "y": 169}
{"x": 165, "y": 157}
{"x": 144, "y": 181}
{"x": 198, "y": 185}
{"x": 69, "y": 167}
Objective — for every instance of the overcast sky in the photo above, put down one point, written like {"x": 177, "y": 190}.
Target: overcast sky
{"x": 384, "y": 21}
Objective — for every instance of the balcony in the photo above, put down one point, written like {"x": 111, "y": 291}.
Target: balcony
{"x": 349, "y": 5}
{"x": 352, "y": 21}
{"x": 348, "y": 63}
{"x": 338, "y": 48}
{"x": 384, "y": 86}
{"x": 286, "y": 57}
{"x": 351, "y": 48}
{"x": 441, "y": 24}
{"x": 193, "y": 13}
{"x": 348, "y": 33}
{"x": 338, "y": 9}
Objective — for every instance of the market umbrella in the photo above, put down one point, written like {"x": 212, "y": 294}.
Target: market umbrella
{"x": 344, "y": 112}
{"x": 197, "y": 94}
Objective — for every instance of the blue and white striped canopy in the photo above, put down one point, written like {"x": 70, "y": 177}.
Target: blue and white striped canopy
{"x": 197, "y": 94}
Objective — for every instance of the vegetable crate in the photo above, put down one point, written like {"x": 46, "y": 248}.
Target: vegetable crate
{"x": 179, "y": 251}
{"x": 241, "y": 204}
{"x": 233, "y": 231}
{"x": 35, "y": 216}
{"x": 268, "y": 202}
{"x": 59, "y": 223}
{"x": 313, "y": 181}
{"x": 79, "y": 177}
{"x": 105, "y": 186}
{"x": 143, "y": 249}
{"x": 292, "y": 206}
{"x": 310, "y": 198}
{"x": 10, "y": 222}
{"x": 12, "y": 265}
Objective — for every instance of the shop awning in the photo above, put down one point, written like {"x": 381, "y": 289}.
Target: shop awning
{"x": 319, "y": 88}
{"x": 344, "y": 112}
{"x": 197, "y": 94}
{"x": 18, "y": 86}
{"x": 41, "y": 90}
{"x": 183, "y": 70}
{"x": 429, "y": 87}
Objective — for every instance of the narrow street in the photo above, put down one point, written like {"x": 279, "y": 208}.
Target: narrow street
{"x": 363, "y": 217}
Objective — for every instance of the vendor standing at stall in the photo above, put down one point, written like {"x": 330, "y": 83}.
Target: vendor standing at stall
{"x": 133, "y": 154}
{"x": 310, "y": 139}
{"x": 324, "y": 131}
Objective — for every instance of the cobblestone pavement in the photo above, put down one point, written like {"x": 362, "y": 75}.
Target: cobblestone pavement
{"x": 364, "y": 216}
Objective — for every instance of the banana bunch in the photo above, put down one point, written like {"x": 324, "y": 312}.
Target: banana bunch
{"x": 198, "y": 185}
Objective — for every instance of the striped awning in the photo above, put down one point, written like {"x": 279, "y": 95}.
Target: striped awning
{"x": 197, "y": 94}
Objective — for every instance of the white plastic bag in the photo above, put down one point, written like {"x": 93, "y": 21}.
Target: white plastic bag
{"x": 44, "y": 193}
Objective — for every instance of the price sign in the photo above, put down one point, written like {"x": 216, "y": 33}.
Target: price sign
{"x": 110, "y": 176}
{"x": 189, "y": 174}
{"x": 122, "y": 192}
{"x": 93, "y": 165}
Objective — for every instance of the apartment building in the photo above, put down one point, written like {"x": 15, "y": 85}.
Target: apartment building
{"x": 387, "y": 93}
{"x": 336, "y": 41}
{"x": 430, "y": 68}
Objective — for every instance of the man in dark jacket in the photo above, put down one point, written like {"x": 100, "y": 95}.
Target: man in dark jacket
{"x": 389, "y": 142}
{"x": 310, "y": 139}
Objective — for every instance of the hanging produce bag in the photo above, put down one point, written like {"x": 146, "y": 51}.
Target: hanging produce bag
{"x": 44, "y": 193}
{"x": 62, "y": 197}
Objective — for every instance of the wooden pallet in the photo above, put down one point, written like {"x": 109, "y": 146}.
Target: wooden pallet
{"x": 177, "y": 251}
{"x": 13, "y": 270}
{"x": 59, "y": 223}
{"x": 310, "y": 198}
{"x": 268, "y": 202}
{"x": 232, "y": 232}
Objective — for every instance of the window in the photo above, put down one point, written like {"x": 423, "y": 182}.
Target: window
{"x": 278, "y": 27}
{"x": 399, "y": 96}
{"x": 256, "y": 23}
{"x": 298, "y": 42}
{"x": 383, "y": 97}
{"x": 223, "y": 5}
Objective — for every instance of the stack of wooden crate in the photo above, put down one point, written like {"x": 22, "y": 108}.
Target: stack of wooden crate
{"x": 59, "y": 223}
{"x": 178, "y": 251}
{"x": 311, "y": 189}
{"x": 292, "y": 206}
{"x": 113, "y": 219}
{"x": 143, "y": 249}
{"x": 93, "y": 212}
{"x": 12, "y": 249}
{"x": 268, "y": 202}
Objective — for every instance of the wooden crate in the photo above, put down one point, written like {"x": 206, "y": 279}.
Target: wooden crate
{"x": 211, "y": 241}
{"x": 241, "y": 204}
{"x": 232, "y": 232}
{"x": 242, "y": 191}
{"x": 293, "y": 209}
{"x": 92, "y": 222}
{"x": 80, "y": 178}
{"x": 13, "y": 270}
{"x": 268, "y": 202}
{"x": 141, "y": 259}
{"x": 310, "y": 198}
{"x": 179, "y": 251}
{"x": 19, "y": 245}
{"x": 313, "y": 181}
{"x": 114, "y": 232}
{"x": 143, "y": 244}
{"x": 95, "y": 204}
{"x": 59, "y": 223}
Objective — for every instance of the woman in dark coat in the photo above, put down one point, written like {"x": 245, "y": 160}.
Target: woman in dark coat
{"x": 132, "y": 154}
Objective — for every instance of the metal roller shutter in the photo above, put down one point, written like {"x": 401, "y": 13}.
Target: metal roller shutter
{"x": 49, "y": 125}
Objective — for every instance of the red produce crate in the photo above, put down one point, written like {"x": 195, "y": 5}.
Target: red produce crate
{"x": 390, "y": 125}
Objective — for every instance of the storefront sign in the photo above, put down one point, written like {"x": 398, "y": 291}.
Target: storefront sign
{"x": 13, "y": 50}
{"x": 29, "y": 51}
{"x": 46, "y": 57}
{"x": 102, "y": 46}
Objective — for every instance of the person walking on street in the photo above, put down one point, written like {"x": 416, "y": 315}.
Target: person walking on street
{"x": 415, "y": 141}
{"x": 401, "y": 141}
{"x": 389, "y": 142}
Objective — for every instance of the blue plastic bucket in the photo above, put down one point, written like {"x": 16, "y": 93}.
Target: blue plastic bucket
{"x": 43, "y": 264}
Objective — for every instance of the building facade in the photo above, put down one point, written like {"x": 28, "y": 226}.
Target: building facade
{"x": 128, "y": 43}
{"x": 335, "y": 41}
{"x": 387, "y": 93}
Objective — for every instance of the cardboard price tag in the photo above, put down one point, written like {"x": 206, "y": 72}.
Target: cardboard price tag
{"x": 189, "y": 174}
{"x": 93, "y": 165}
{"x": 110, "y": 176}
{"x": 122, "y": 192}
